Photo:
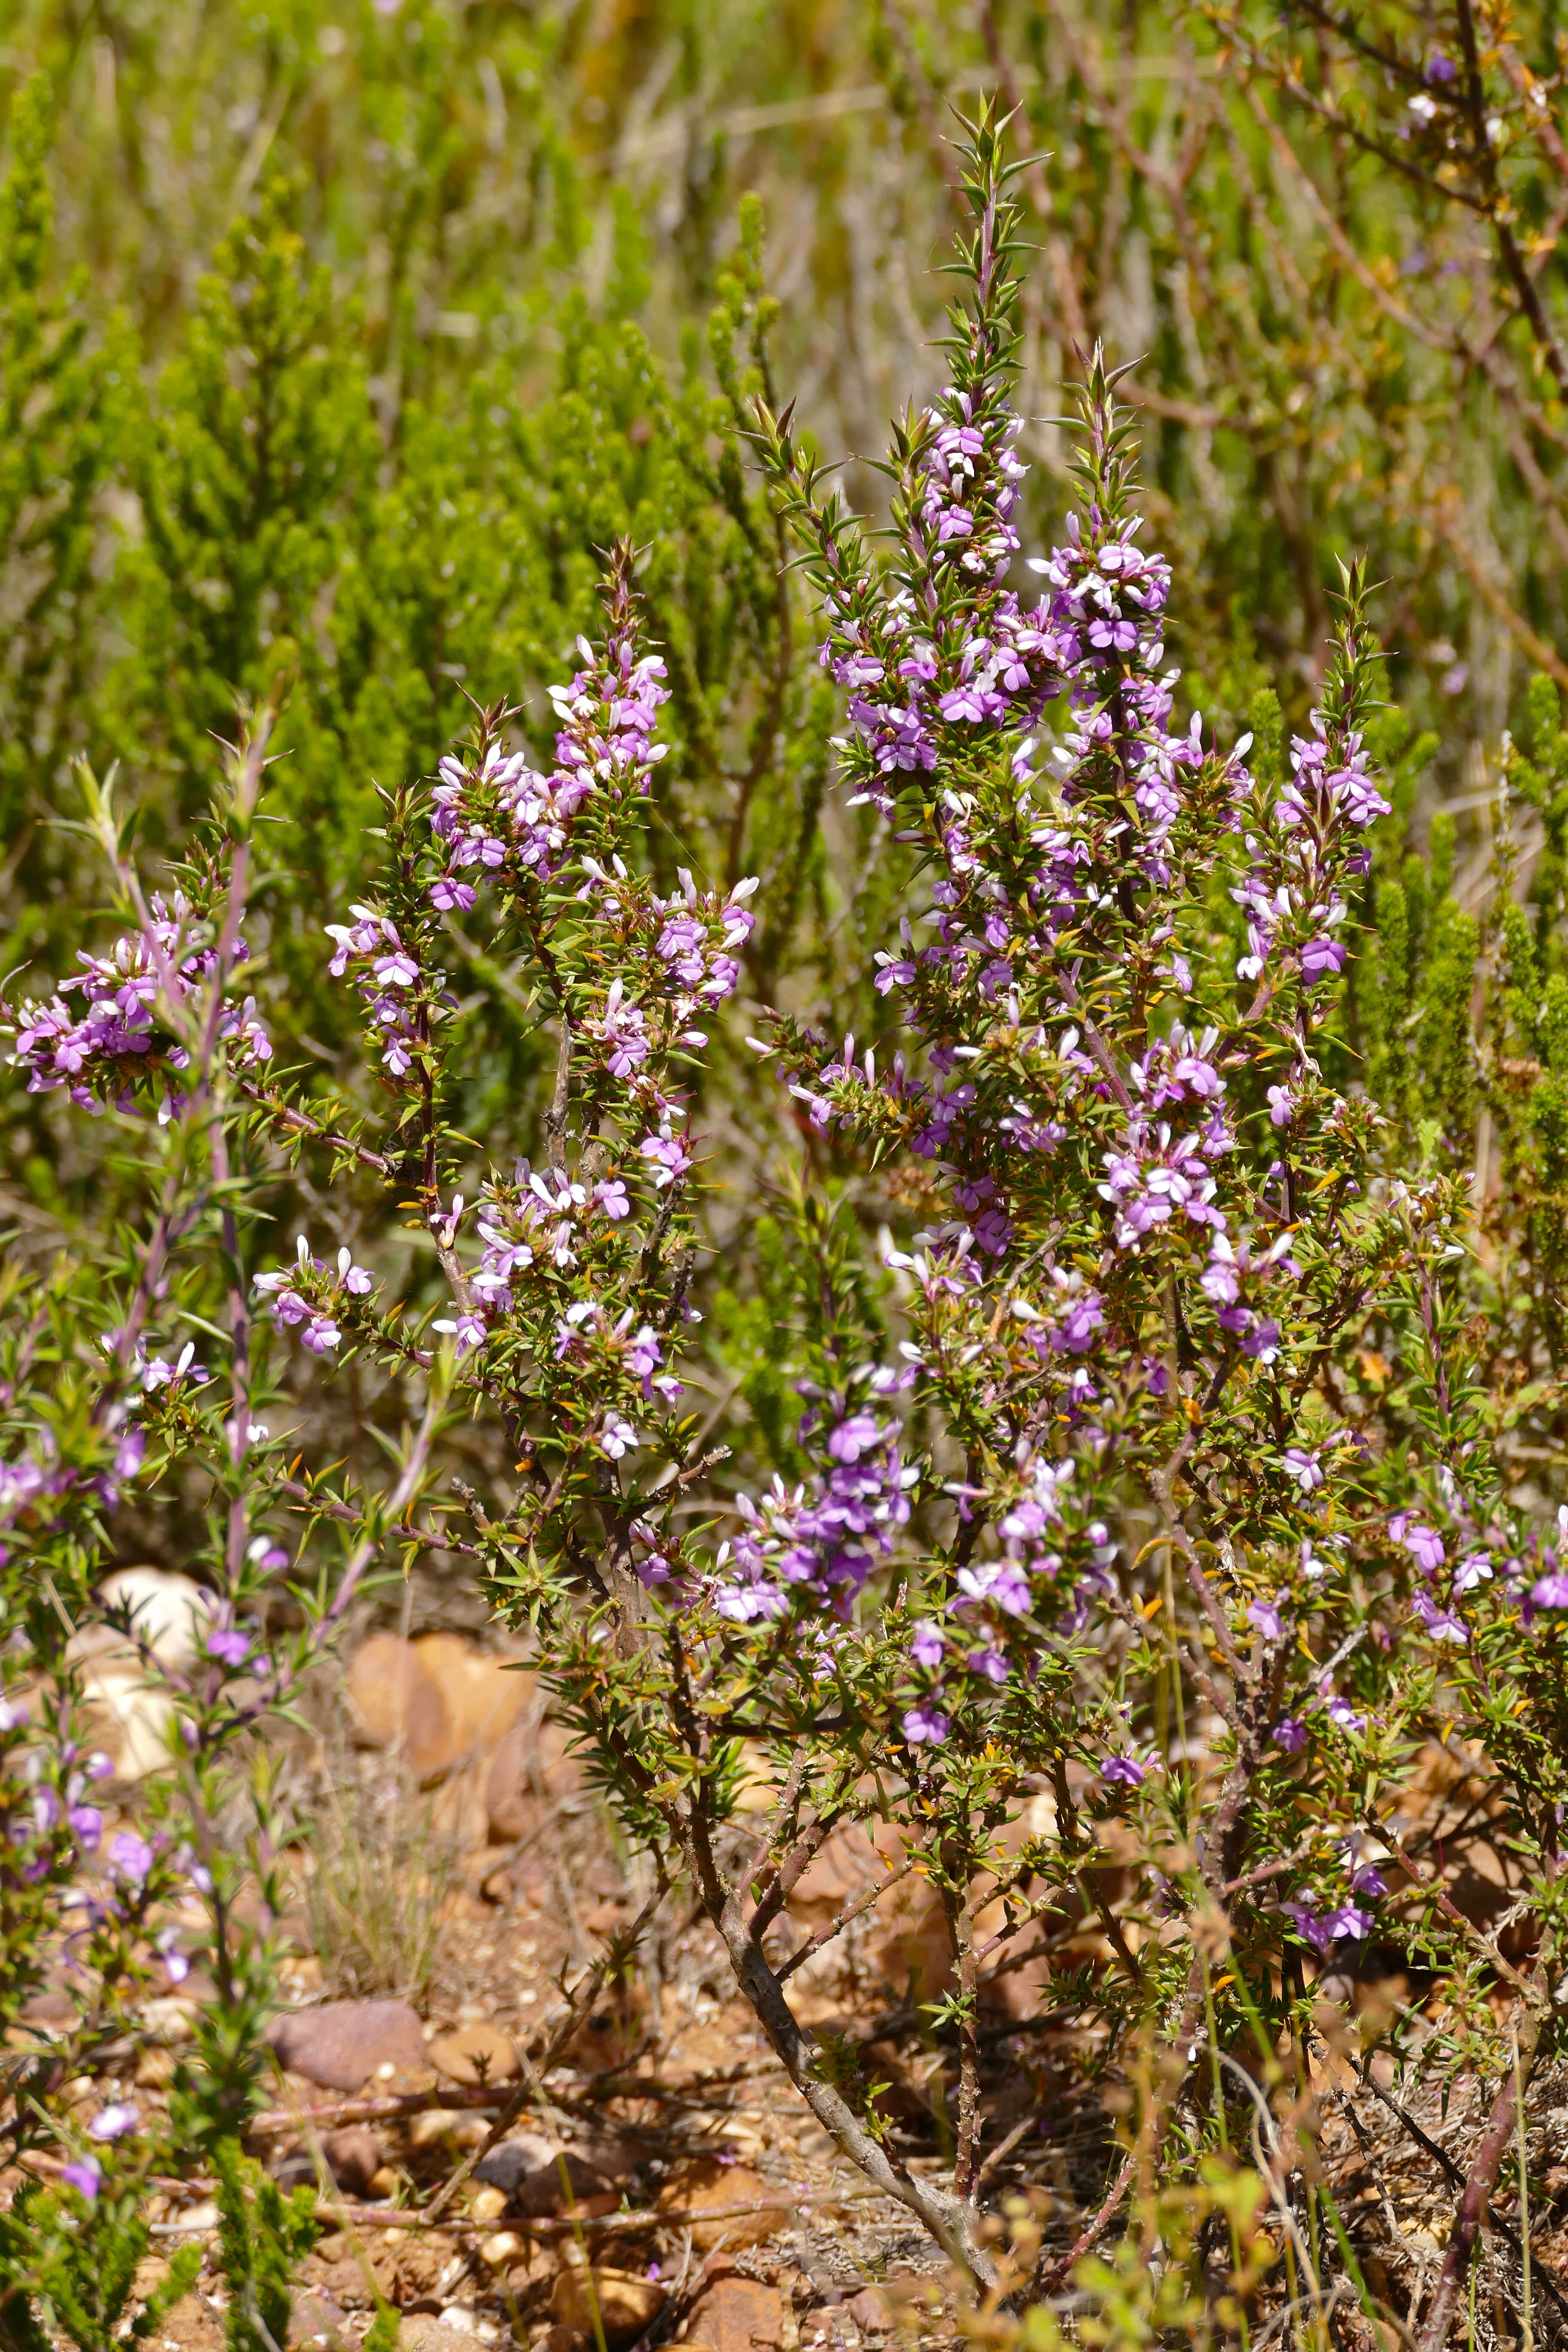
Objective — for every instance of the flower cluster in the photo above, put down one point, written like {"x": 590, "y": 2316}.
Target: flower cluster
{"x": 618, "y": 1355}
{"x": 497, "y": 817}
{"x": 677, "y": 965}
{"x": 307, "y": 1298}
{"x": 818, "y": 1543}
{"x": 371, "y": 950}
{"x": 1291, "y": 899}
{"x": 919, "y": 682}
{"x": 34, "y": 1485}
{"x": 116, "y": 1039}
{"x": 1052, "y": 1554}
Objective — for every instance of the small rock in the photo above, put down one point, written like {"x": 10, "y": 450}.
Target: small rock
{"x": 315, "y": 2319}
{"x": 590, "y": 2186}
{"x": 625, "y": 2301}
{"x": 384, "y": 2182}
{"x": 172, "y": 2017}
{"x": 427, "y": 2332}
{"x": 489, "y": 2204}
{"x": 503, "y": 2248}
{"x": 512, "y": 2160}
{"x": 476, "y": 2053}
{"x": 461, "y": 2125}
{"x": 438, "y": 1699}
{"x": 693, "y": 2188}
{"x": 123, "y": 1717}
{"x": 541, "y": 2178}
{"x": 483, "y": 1695}
{"x": 531, "y": 1763}
{"x": 737, "y": 2314}
{"x": 394, "y": 1700}
{"x": 341, "y": 2045}
{"x": 189, "y": 2326}
{"x": 869, "y": 2311}
{"x": 170, "y": 1612}
{"x": 52, "y": 2006}
{"x": 354, "y": 2157}
{"x": 431, "y": 2125}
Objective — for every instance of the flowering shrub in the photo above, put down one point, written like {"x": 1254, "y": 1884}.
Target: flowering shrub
{"x": 1182, "y": 1504}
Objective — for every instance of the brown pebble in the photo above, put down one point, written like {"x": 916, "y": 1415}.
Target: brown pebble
{"x": 341, "y": 2045}
{"x": 476, "y": 2053}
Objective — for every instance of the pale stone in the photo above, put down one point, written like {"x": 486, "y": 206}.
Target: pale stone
{"x": 476, "y": 2053}
{"x": 627, "y": 2303}
{"x": 441, "y": 1701}
{"x": 705, "y": 2183}
{"x": 171, "y": 1613}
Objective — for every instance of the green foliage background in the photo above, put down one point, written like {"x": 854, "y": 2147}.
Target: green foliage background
{"x": 336, "y": 338}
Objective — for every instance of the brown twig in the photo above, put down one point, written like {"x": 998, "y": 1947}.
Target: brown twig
{"x": 1475, "y": 2201}
{"x": 1048, "y": 2280}
{"x": 569, "y": 2226}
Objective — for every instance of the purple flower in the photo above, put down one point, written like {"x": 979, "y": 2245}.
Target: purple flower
{"x": 1551, "y": 1592}
{"x": 229, "y": 1644}
{"x": 87, "y": 1822}
{"x": 1290, "y": 1734}
{"x": 467, "y": 1332}
{"x": 1078, "y": 1326}
{"x": 1124, "y": 1771}
{"x": 1441, "y": 1624}
{"x": 1304, "y": 1467}
{"x": 1425, "y": 1546}
{"x": 321, "y": 1334}
{"x": 114, "y": 2121}
{"x": 83, "y": 2175}
{"x": 1351, "y": 1920}
{"x": 1321, "y": 959}
{"x": 926, "y": 1643}
{"x": 176, "y": 1965}
{"x": 1262, "y": 1342}
{"x": 669, "y": 1158}
{"x": 1265, "y": 1615}
{"x": 1281, "y": 1106}
{"x": 130, "y": 1857}
{"x": 354, "y": 1278}
{"x": 853, "y": 1437}
{"x": 925, "y": 1722}
{"x": 1312, "y": 1929}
